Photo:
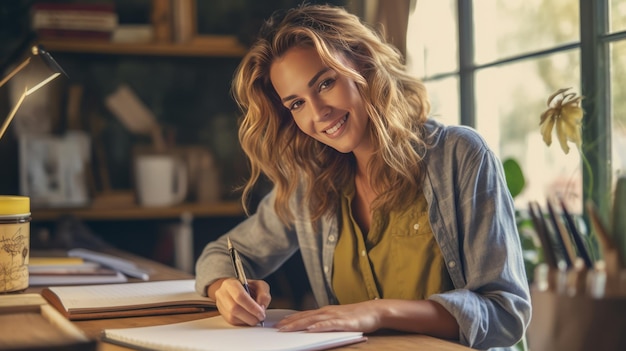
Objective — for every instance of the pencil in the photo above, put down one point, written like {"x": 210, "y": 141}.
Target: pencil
{"x": 612, "y": 257}
{"x": 542, "y": 233}
{"x": 562, "y": 237}
{"x": 578, "y": 238}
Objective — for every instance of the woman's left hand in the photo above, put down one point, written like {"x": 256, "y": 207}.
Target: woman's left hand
{"x": 362, "y": 316}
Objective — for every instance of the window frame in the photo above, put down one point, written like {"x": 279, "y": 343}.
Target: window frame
{"x": 594, "y": 47}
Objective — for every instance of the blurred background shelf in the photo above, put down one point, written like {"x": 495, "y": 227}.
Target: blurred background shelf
{"x": 221, "y": 209}
{"x": 200, "y": 46}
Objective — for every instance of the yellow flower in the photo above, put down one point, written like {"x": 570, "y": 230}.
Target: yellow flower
{"x": 564, "y": 114}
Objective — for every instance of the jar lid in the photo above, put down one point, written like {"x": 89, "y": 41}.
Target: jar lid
{"x": 13, "y": 205}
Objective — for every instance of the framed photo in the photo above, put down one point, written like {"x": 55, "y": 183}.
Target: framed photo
{"x": 53, "y": 170}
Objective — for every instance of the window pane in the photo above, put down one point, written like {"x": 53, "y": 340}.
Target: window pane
{"x": 509, "y": 102}
{"x": 432, "y": 38}
{"x": 617, "y": 11}
{"x": 444, "y": 100}
{"x": 618, "y": 107}
{"x": 505, "y": 28}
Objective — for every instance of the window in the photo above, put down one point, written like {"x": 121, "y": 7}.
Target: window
{"x": 492, "y": 64}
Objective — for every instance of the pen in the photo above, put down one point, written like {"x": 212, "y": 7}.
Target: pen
{"x": 239, "y": 272}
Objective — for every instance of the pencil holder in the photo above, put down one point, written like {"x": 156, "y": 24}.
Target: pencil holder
{"x": 576, "y": 323}
{"x": 14, "y": 243}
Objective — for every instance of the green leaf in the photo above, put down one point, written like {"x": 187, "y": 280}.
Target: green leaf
{"x": 514, "y": 176}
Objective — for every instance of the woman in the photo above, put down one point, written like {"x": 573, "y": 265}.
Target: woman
{"x": 402, "y": 223}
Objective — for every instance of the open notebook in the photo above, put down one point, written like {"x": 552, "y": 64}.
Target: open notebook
{"x": 127, "y": 300}
{"x": 211, "y": 334}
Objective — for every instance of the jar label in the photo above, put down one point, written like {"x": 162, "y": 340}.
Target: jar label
{"x": 14, "y": 255}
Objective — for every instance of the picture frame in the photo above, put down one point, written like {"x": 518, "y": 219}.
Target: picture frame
{"x": 53, "y": 170}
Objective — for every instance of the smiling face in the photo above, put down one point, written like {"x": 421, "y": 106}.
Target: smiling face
{"x": 325, "y": 104}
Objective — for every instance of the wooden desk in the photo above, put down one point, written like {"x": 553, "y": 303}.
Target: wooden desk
{"x": 378, "y": 341}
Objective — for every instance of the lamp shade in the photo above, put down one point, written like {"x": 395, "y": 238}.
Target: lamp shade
{"x": 51, "y": 70}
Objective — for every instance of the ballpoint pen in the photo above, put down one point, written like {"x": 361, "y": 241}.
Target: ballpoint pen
{"x": 239, "y": 272}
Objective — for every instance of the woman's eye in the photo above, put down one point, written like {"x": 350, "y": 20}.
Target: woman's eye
{"x": 295, "y": 105}
{"x": 327, "y": 83}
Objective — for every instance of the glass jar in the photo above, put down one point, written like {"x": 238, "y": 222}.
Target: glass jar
{"x": 14, "y": 243}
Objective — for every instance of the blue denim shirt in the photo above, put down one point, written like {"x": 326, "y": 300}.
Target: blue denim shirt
{"x": 472, "y": 217}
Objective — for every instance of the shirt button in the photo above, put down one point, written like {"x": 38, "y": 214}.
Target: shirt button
{"x": 363, "y": 253}
{"x": 416, "y": 226}
{"x": 451, "y": 264}
{"x": 325, "y": 269}
{"x": 331, "y": 238}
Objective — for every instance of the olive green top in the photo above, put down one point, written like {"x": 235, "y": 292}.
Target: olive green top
{"x": 398, "y": 259}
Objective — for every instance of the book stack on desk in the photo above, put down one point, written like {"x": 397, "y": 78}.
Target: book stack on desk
{"x": 46, "y": 271}
{"x": 82, "y": 266}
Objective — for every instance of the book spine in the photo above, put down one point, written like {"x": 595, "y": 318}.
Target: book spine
{"x": 183, "y": 19}
{"x": 51, "y": 33}
{"x": 74, "y": 20}
{"x": 161, "y": 18}
{"x": 92, "y": 7}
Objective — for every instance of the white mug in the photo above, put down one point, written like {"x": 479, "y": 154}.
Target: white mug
{"x": 161, "y": 180}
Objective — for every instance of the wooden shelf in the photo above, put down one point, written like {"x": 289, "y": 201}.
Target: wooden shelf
{"x": 222, "y": 209}
{"x": 201, "y": 46}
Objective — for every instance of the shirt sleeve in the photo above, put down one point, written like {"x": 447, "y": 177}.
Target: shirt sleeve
{"x": 262, "y": 240}
{"x": 476, "y": 216}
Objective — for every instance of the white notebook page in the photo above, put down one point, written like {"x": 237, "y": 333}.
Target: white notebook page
{"x": 210, "y": 334}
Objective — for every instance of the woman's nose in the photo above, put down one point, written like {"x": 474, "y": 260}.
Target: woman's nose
{"x": 321, "y": 110}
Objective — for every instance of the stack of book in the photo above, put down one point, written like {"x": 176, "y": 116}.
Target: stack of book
{"x": 45, "y": 271}
{"x": 82, "y": 266}
{"x": 72, "y": 20}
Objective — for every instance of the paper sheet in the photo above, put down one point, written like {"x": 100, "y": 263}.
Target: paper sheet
{"x": 215, "y": 333}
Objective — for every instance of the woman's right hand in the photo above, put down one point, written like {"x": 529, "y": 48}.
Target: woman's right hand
{"x": 234, "y": 303}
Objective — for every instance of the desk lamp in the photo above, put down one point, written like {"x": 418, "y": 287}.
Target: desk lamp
{"x": 15, "y": 210}
{"x": 53, "y": 67}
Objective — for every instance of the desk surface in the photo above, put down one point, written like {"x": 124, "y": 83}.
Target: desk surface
{"x": 378, "y": 341}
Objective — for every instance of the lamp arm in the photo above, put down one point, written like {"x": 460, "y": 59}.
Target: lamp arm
{"x": 49, "y": 61}
{"x": 9, "y": 118}
{"x": 14, "y": 71}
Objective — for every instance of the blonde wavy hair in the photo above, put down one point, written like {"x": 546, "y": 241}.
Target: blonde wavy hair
{"x": 397, "y": 105}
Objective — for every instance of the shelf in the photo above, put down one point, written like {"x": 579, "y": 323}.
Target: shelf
{"x": 201, "y": 46}
{"x": 222, "y": 209}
